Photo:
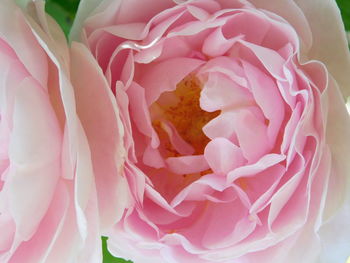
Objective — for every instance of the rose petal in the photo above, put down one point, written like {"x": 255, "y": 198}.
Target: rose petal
{"x": 34, "y": 152}
{"x": 187, "y": 164}
{"x": 156, "y": 79}
{"x": 223, "y": 156}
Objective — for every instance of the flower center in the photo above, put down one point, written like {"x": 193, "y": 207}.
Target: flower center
{"x": 181, "y": 108}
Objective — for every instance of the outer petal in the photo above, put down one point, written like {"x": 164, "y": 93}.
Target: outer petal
{"x": 336, "y": 232}
{"x": 331, "y": 48}
{"x": 95, "y": 12}
{"x": 100, "y": 119}
{"x": 335, "y": 236}
{"x": 34, "y": 153}
{"x": 14, "y": 30}
{"x": 311, "y": 18}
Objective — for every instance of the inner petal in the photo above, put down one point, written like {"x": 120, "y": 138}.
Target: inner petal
{"x": 181, "y": 108}
{"x": 178, "y": 120}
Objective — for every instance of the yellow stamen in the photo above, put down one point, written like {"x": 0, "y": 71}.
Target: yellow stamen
{"x": 186, "y": 114}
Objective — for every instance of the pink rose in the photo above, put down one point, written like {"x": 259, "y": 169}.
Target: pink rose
{"x": 233, "y": 128}
{"x": 48, "y": 210}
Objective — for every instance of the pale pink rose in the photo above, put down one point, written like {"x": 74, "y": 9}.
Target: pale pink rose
{"x": 48, "y": 208}
{"x": 234, "y": 132}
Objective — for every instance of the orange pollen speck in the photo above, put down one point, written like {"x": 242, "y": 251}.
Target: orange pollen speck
{"x": 186, "y": 114}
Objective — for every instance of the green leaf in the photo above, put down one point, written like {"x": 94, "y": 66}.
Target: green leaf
{"x": 70, "y": 6}
{"x": 63, "y": 11}
{"x": 62, "y": 16}
{"x": 344, "y": 6}
{"x": 107, "y": 257}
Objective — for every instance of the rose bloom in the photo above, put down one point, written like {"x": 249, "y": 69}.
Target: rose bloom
{"x": 235, "y": 135}
{"x": 48, "y": 208}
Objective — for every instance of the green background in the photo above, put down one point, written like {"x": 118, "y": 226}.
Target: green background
{"x": 64, "y": 10}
